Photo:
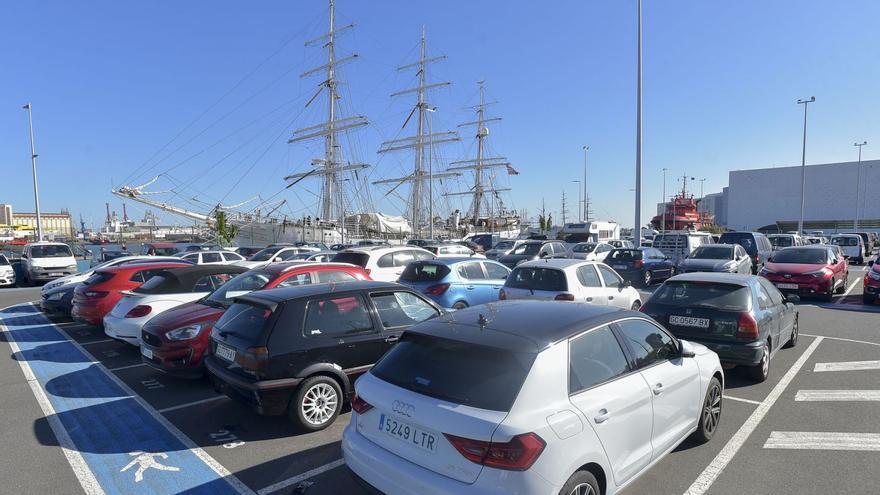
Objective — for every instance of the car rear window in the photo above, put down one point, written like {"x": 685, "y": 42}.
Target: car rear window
{"x": 584, "y": 248}
{"x": 358, "y": 259}
{"x": 727, "y": 297}
{"x": 781, "y": 241}
{"x": 744, "y": 239}
{"x": 459, "y": 372}
{"x": 529, "y": 249}
{"x": 845, "y": 241}
{"x": 155, "y": 285}
{"x": 98, "y": 277}
{"x": 537, "y": 279}
{"x": 424, "y": 272}
{"x": 245, "y": 321}
{"x": 624, "y": 255}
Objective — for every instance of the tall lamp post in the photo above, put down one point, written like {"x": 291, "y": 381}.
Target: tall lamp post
{"x": 858, "y": 183}
{"x": 577, "y": 181}
{"x": 805, "y": 103}
{"x": 34, "y": 168}
{"x": 701, "y": 196}
{"x": 586, "y": 212}
{"x": 637, "y": 224}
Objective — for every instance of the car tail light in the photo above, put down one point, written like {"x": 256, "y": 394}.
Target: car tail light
{"x": 502, "y": 296}
{"x": 359, "y": 405}
{"x": 368, "y": 270}
{"x": 565, "y": 296}
{"x": 437, "y": 290}
{"x": 516, "y": 455}
{"x": 139, "y": 311}
{"x": 638, "y": 263}
{"x": 96, "y": 293}
{"x": 747, "y": 327}
{"x": 254, "y": 359}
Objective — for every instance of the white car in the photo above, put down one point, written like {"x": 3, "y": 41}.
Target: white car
{"x": 570, "y": 280}
{"x": 452, "y": 251}
{"x": 165, "y": 290}
{"x": 222, "y": 257}
{"x": 7, "y": 274}
{"x": 82, "y": 276}
{"x": 544, "y": 399}
{"x": 273, "y": 255}
{"x": 591, "y": 251}
{"x": 621, "y": 243}
{"x": 44, "y": 261}
{"x": 852, "y": 246}
{"x": 383, "y": 263}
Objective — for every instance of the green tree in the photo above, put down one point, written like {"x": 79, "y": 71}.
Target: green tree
{"x": 224, "y": 230}
{"x": 542, "y": 223}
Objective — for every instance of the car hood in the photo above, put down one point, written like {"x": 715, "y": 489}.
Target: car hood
{"x": 183, "y": 315}
{"x": 695, "y": 264}
{"x": 794, "y": 268}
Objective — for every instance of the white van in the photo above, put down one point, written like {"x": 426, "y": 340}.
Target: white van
{"x": 44, "y": 261}
{"x": 679, "y": 245}
{"x": 852, "y": 245}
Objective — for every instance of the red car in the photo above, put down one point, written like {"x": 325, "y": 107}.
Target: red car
{"x": 97, "y": 295}
{"x": 872, "y": 283}
{"x": 177, "y": 341}
{"x": 808, "y": 271}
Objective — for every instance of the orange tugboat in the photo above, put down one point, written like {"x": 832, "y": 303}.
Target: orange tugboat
{"x": 682, "y": 213}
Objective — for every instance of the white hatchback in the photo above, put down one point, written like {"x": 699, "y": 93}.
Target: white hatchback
{"x": 570, "y": 280}
{"x": 545, "y": 399}
{"x": 220, "y": 257}
{"x": 591, "y": 251}
{"x": 382, "y": 262}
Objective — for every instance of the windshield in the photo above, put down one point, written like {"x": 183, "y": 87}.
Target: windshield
{"x": 584, "y": 248}
{"x": 704, "y": 294}
{"x": 165, "y": 251}
{"x": 537, "y": 279}
{"x": 713, "y": 253}
{"x": 503, "y": 245}
{"x": 51, "y": 251}
{"x": 424, "y": 272}
{"x": 3, "y": 260}
{"x": 460, "y": 372}
{"x": 238, "y": 286}
{"x": 845, "y": 241}
{"x": 781, "y": 241}
{"x": 527, "y": 249}
{"x": 802, "y": 256}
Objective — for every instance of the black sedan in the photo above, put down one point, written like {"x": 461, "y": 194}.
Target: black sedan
{"x": 743, "y": 318}
{"x": 58, "y": 301}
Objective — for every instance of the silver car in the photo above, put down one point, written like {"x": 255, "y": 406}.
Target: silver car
{"x": 726, "y": 258}
{"x": 502, "y": 248}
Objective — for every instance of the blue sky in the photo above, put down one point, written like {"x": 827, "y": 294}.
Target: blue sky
{"x": 113, "y": 82}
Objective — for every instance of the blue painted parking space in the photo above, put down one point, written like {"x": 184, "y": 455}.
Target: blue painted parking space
{"x": 124, "y": 446}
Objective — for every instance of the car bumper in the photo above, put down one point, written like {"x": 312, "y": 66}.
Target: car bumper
{"x": 60, "y": 307}
{"x": 266, "y": 397}
{"x": 45, "y": 276}
{"x": 388, "y": 473}
{"x": 748, "y": 354}
{"x": 811, "y": 288}
{"x": 872, "y": 288}
{"x": 182, "y": 359}
{"x": 7, "y": 279}
{"x": 88, "y": 314}
{"x": 125, "y": 329}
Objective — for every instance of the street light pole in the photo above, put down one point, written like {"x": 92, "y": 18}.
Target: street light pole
{"x": 34, "y": 168}
{"x": 637, "y": 237}
{"x": 663, "y": 225}
{"x": 586, "y": 210}
{"x": 805, "y": 103}
{"x": 701, "y": 196}
{"x": 579, "y": 199}
{"x": 858, "y": 183}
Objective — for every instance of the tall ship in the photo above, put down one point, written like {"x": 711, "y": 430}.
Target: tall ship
{"x": 682, "y": 213}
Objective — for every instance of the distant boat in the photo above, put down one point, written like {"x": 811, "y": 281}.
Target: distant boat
{"x": 682, "y": 213}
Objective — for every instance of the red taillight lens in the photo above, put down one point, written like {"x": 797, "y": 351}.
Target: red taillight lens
{"x": 359, "y": 405}
{"x": 502, "y": 296}
{"x": 516, "y": 455}
{"x": 96, "y": 293}
{"x": 254, "y": 359}
{"x": 565, "y": 296}
{"x": 139, "y": 311}
{"x": 437, "y": 290}
{"x": 747, "y": 327}
{"x": 638, "y": 263}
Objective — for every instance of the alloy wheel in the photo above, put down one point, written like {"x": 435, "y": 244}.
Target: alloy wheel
{"x": 648, "y": 278}
{"x": 712, "y": 409}
{"x": 582, "y": 489}
{"x": 319, "y": 404}
{"x": 765, "y": 360}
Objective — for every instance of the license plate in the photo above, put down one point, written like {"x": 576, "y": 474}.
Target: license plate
{"x": 226, "y": 353}
{"x": 619, "y": 267}
{"x": 688, "y": 321}
{"x": 147, "y": 353}
{"x": 408, "y": 433}
{"x": 56, "y": 274}
{"x": 787, "y": 286}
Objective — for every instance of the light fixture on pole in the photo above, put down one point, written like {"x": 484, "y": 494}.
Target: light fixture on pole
{"x": 34, "y": 169}
{"x": 579, "y": 199}
{"x": 805, "y": 103}
{"x": 637, "y": 224}
{"x": 858, "y": 183}
{"x": 586, "y": 206}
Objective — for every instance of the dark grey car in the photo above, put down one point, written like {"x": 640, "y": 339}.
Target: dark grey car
{"x": 534, "y": 250}
{"x": 756, "y": 245}
{"x": 725, "y": 258}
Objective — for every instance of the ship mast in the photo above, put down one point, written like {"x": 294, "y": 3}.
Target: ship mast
{"x": 419, "y": 194}
{"x": 329, "y": 168}
{"x": 481, "y": 163}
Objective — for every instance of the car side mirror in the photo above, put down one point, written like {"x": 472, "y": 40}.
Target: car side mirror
{"x": 793, "y": 298}
{"x": 276, "y": 259}
{"x": 685, "y": 351}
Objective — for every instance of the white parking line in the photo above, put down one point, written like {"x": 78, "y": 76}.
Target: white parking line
{"x": 841, "y": 339}
{"x": 737, "y": 399}
{"x": 119, "y": 368}
{"x": 94, "y": 341}
{"x": 190, "y": 404}
{"x": 848, "y": 366}
{"x": 300, "y": 477}
{"x": 851, "y": 287}
{"x": 808, "y": 440}
{"x": 837, "y": 396}
{"x": 714, "y": 469}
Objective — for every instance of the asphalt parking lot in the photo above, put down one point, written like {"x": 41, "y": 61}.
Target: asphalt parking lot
{"x": 80, "y": 411}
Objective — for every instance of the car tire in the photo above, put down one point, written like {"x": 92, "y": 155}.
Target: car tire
{"x": 843, "y": 286}
{"x": 581, "y": 483}
{"x": 868, "y": 299}
{"x": 710, "y": 412}
{"x": 792, "y": 340}
{"x": 459, "y": 305}
{"x": 647, "y": 279}
{"x": 761, "y": 371}
{"x": 316, "y": 404}
{"x": 636, "y": 305}
{"x": 829, "y": 296}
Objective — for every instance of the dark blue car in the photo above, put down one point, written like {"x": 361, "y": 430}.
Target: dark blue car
{"x": 456, "y": 282}
{"x": 642, "y": 266}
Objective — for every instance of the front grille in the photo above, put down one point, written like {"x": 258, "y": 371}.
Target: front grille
{"x": 150, "y": 339}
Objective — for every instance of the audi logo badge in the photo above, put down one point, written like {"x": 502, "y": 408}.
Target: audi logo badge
{"x": 403, "y": 408}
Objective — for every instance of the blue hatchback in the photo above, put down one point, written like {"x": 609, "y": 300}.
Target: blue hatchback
{"x": 456, "y": 282}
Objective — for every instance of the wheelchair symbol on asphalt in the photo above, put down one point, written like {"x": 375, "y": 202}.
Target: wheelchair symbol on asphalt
{"x": 146, "y": 461}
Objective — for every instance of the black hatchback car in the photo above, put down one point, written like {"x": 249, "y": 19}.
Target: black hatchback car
{"x": 756, "y": 244}
{"x": 743, "y": 318}
{"x": 297, "y": 350}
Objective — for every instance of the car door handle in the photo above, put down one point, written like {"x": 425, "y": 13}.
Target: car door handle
{"x": 602, "y": 416}
{"x": 470, "y": 287}
{"x": 392, "y": 339}
{"x": 658, "y": 389}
